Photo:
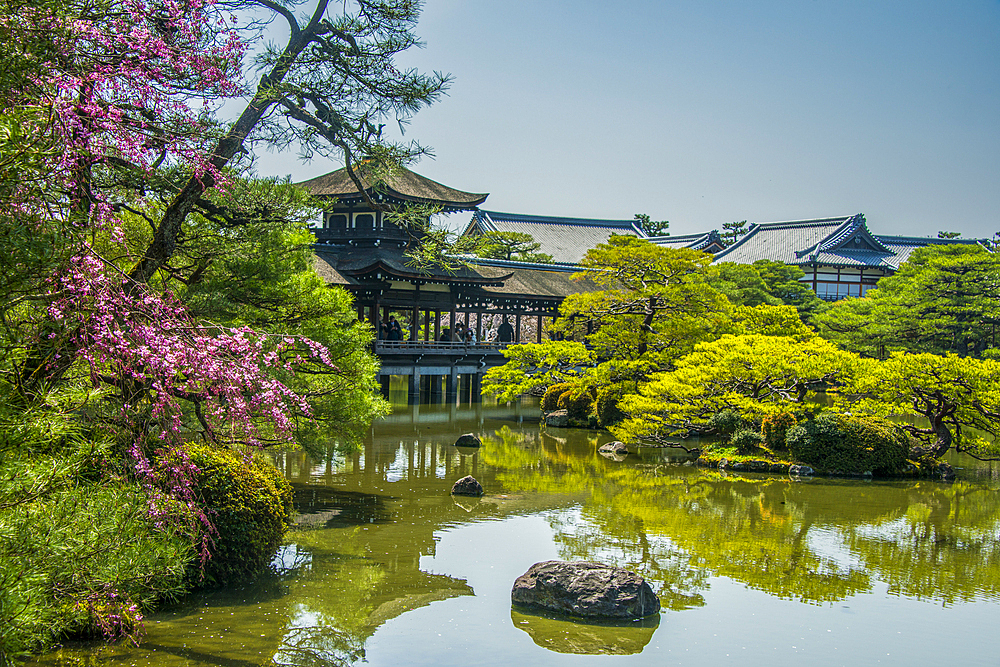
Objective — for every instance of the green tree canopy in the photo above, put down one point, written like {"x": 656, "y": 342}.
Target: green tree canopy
{"x": 515, "y": 246}
{"x": 959, "y": 397}
{"x": 945, "y": 298}
{"x": 752, "y": 375}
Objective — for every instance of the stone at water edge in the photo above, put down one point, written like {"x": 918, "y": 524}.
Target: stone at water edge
{"x": 589, "y": 590}
{"x": 468, "y": 440}
{"x": 467, "y": 486}
{"x": 800, "y": 470}
{"x": 615, "y": 447}
{"x": 557, "y": 418}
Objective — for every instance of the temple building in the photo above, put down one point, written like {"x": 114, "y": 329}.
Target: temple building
{"x": 840, "y": 256}
{"x": 418, "y": 312}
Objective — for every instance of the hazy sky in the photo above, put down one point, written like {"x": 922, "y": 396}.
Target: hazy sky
{"x": 711, "y": 111}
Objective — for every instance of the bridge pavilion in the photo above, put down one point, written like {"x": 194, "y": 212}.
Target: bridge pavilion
{"x": 360, "y": 249}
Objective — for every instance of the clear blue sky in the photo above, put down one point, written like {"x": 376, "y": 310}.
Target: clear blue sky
{"x": 711, "y": 111}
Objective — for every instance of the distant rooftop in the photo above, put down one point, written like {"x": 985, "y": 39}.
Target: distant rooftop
{"x": 566, "y": 239}
{"x": 839, "y": 241}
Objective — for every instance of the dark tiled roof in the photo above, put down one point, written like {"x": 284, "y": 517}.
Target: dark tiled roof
{"x": 402, "y": 183}
{"x": 779, "y": 241}
{"x": 566, "y": 239}
{"x": 340, "y": 265}
{"x": 543, "y": 280}
{"x": 699, "y": 241}
{"x": 841, "y": 241}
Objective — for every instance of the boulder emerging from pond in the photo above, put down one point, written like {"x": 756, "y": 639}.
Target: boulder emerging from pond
{"x": 613, "y": 448}
{"x": 557, "y": 418}
{"x": 584, "y": 589}
{"x": 467, "y": 486}
{"x": 468, "y": 440}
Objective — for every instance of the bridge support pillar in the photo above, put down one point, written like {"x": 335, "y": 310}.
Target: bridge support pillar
{"x": 413, "y": 395}
{"x": 451, "y": 385}
{"x": 383, "y": 382}
{"x": 435, "y": 389}
{"x": 476, "y": 382}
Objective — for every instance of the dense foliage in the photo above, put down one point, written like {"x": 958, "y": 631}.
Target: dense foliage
{"x": 153, "y": 292}
{"x": 248, "y": 503}
{"x": 945, "y": 298}
{"x": 849, "y": 444}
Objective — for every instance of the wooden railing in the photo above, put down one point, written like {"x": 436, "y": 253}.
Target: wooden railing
{"x": 437, "y": 347}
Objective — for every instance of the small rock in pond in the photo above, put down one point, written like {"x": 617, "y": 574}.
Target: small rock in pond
{"x": 557, "y": 418}
{"x": 467, "y": 486}
{"x": 468, "y": 440}
{"x": 800, "y": 470}
{"x": 589, "y": 590}
{"x": 615, "y": 447}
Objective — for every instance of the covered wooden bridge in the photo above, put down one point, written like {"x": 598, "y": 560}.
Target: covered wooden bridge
{"x": 501, "y": 302}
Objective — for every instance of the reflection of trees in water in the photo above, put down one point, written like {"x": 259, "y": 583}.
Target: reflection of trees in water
{"x": 816, "y": 542}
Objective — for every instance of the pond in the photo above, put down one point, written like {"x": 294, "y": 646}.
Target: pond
{"x": 387, "y": 568}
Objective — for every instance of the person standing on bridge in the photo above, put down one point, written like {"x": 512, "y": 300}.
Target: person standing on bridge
{"x": 505, "y": 332}
{"x": 395, "y": 331}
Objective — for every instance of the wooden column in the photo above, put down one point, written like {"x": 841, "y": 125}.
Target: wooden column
{"x": 479, "y": 326}
{"x": 538, "y": 334}
{"x": 414, "y": 324}
{"x": 517, "y": 328}
{"x": 427, "y": 325}
{"x": 413, "y": 395}
{"x": 437, "y": 325}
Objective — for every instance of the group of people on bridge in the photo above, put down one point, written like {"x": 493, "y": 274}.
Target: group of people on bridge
{"x": 393, "y": 331}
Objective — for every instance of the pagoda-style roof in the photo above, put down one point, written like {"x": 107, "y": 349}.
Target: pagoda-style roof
{"x": 841, "y": 241}
{"x": 704, "y": 241}
{"x": 566, "y": 239}
{"x": 401, "y": 184}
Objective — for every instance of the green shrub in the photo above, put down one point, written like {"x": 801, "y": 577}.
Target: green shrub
{"x": 606, "y": 405}
{"x": 81, "y": 561}
{"x": 746, "y": 441}
{"x": 849, "y": 444}
{"x": 550, "y": 399}
{"x": 727, "y": 422}
{"x": 577, "y": 403}
{"x": 249, "y": 504}
{"x": 775, "y": 427}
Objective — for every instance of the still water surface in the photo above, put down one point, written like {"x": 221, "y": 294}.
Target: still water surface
{"x": 387, "y": 568}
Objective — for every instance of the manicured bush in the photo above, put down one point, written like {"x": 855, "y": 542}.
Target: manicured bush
{"x": 606, "y": 406}
{"x": 746, "y": 441}
{"x": 248, "y": 502}
{"x": 578, "y": 403}
{"x": 775, "y": 427}
{"x": 727, "y": 422}
{"x": 550, "y": 399}
{"x": 849, "y": 444}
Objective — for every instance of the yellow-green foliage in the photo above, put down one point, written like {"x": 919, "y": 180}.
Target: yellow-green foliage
{"x": 775, "y": 427}
{"x": 746, "y": 441}
{"x": 606, "y": 406}
{"x": 850, "y": 444}
{"x": 577, "y": 403}
{"x": 550, "y": 399}
{"x": 250, "y": 505}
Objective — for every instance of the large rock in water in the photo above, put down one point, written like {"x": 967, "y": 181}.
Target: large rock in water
{"x": 467, "y": 486}
{"x": 468, "y": 440}
{"x": 590, "y": 590}
{"x": 558, "y": 418}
